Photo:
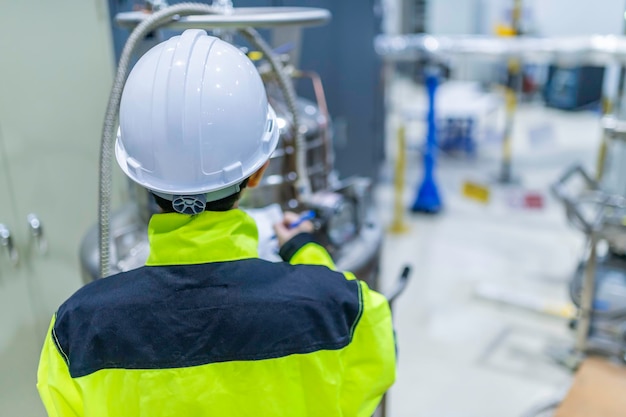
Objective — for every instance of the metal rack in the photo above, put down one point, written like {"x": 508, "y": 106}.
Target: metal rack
{"x": 600, "y": 215}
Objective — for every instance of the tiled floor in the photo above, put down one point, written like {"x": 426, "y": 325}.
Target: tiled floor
{"x": 462, "y": 355}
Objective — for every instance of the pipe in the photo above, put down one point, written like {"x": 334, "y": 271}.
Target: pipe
{"x": 320, "y": 97}
{"x": 303, "y": 185}
{"x": 569, "y": 50}
{"x": 514, "y": 80}
{"x": 398, "y": 224}
{"x": 587, "y": 297}
{"x": 506, "y": 170}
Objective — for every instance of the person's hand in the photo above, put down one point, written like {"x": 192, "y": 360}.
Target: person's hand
{"x": 284, "y": 233}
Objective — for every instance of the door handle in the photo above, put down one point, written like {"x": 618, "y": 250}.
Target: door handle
{"x": 36, "y": 231}
{"x": 6, "y": 241}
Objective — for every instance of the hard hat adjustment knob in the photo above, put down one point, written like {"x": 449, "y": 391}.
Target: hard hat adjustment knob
{"x": 189, "y": 204}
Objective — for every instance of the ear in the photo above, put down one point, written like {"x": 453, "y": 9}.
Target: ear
{"x": 255, "y": 178}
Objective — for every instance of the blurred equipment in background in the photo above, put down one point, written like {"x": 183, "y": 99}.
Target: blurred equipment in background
{"x": 598, "y": 287}
{"x": 598, "y": 209}
{"x": 573, "y": 88}
{"x": 410, "y": 17}
{"x": 566, "y": 51}
{"x": 512, "y": 88}
{"x": 398, "y": 222}
{"x": 413, "y": 16}
{"x": 428, "y": 199}
{"x": 301, "y": 175}
{"x": 466, "y": 116}
{"x": 477, "y": 192}
{"x": 457, "y": 134}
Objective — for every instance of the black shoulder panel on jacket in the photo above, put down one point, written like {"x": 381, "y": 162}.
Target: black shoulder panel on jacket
{"x": 189, "y": 315}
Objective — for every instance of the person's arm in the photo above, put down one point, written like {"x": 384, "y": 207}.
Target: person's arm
{"x": 303, "y": 249}
{"x": 298, "y": 246}
{"x": 370, "y": 358}
{"x": 58, "y": 391}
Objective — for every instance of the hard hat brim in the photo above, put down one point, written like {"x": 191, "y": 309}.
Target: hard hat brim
{"x": 142, "y": 177}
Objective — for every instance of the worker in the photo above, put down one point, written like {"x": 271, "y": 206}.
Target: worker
{"x": 206, "y": 328}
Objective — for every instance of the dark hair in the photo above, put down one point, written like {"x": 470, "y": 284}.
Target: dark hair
{"x": 225, "y": 204}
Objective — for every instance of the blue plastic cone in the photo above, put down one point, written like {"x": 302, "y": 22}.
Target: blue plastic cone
{"x": 428, "y": 199}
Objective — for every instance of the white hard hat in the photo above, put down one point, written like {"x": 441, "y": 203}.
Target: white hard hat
{"x": 194, "y": 119}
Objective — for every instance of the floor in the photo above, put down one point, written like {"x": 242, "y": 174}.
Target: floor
{"x": 461, "y": 354}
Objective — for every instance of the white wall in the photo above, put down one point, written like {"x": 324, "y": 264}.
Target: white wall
{"x": 579, "y": 17}
{"x": 451, "y": 17}
{"x": 549, "y": 17}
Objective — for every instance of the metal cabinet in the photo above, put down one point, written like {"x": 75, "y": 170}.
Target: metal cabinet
{"x": 18, "y": 333}
{"x": 55, "y": 76}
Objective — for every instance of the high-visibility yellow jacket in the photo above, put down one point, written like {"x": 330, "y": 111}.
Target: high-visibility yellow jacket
{"x": 208, "y": 329}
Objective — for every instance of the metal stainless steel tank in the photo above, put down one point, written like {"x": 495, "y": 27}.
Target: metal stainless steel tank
{"x": 345, "y": 218}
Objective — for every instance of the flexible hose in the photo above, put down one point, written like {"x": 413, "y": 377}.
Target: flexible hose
{"x": 110, "y": 120}
{"x": 148, "y": 25}
{"x": 303, "y": 185}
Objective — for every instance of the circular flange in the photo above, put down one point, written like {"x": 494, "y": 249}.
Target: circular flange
{"x": 239, "y": 18}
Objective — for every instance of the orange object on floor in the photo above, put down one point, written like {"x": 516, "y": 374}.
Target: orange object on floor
{"x": 598, "y": 391}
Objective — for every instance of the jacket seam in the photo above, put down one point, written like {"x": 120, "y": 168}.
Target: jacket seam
{"x": 360, "y": 313}
{"x": 59, "y": 348}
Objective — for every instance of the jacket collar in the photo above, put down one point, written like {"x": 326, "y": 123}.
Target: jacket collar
{"x": 180, "y": 239}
